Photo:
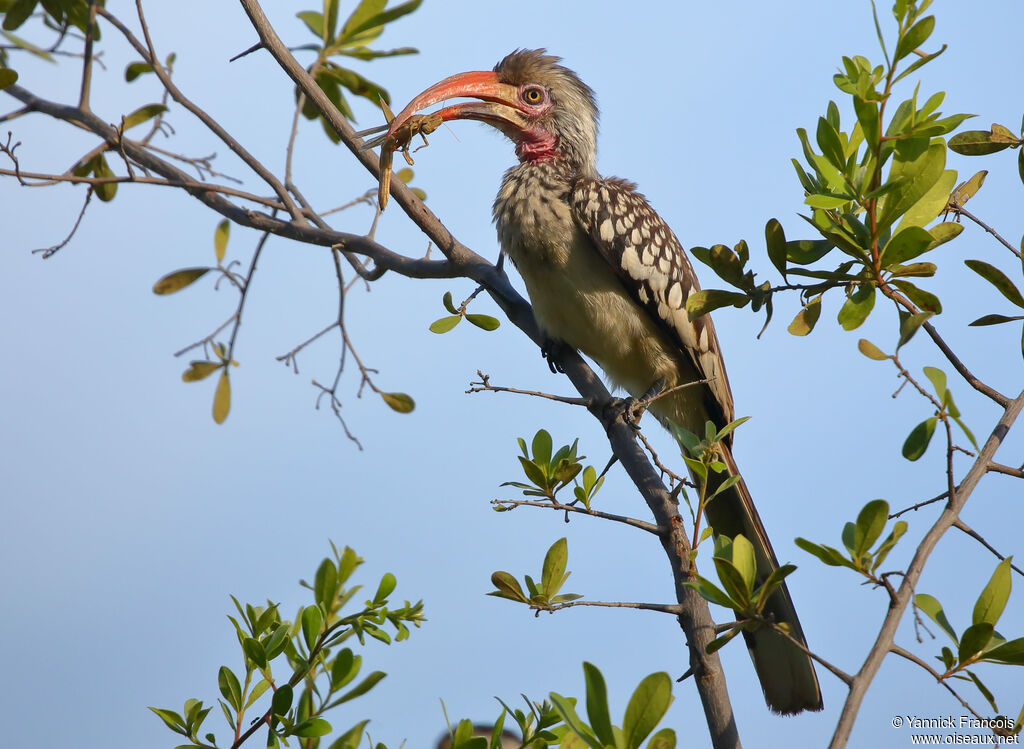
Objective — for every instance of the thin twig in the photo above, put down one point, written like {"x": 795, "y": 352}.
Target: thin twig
{"x": 665, "y": 608}
{"x": 836, "y": 671}
{"x": 485, "y": 386}
{"x": 50, "y": 251}
{"x": 961, "y": 525}
{"x": 510, "y": 504}
{"x": 1009, "y": 471}
{"x": 149, "y": 55}
{"x": 919, "y": 505}
{"x": 897, "y": 650}
{"x": 959, "y": 209}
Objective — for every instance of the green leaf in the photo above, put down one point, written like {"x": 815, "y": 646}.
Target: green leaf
{"x": 806, "y": 318}
{"x": 663, "y": 739}
{"x": 917, "y": 441}
{"x": 857, "y": 307}
{"x": 142, "y": 114}
{"x": 870, "y": 350}
{"x": 229, "y": 687}
{"x": 485, "y": 322}
{"x": 565, "y": 709}
{"x": 887, "y": 545}
{"x": 984, "y": 690}
{"x": 446, "y": 300}
{"x": 938, "y": 379}
{"x": 554, "y": 567}
{"x": 400, "y": 402}
{"x": 975, "y": 143}
{"x": 282, "y": 700}
{"x": 733, "y": 581}
{"x": 314, "y": 22}
{"x": 915, "y": 36}
{"x": 919, "y": 172}
{"x": 807, "y": 251}
{"x": 386, "y": 588}
{"x": 359, "y": 22}
{"x": 775, "y": 239}
{"x": 199, "y": 370}
{"x": 906, "y": 244}
{"x": 220, "y": 239}
{"x": 171, "y": 719}
{"x": 312, "y": 623}
{"x": 135, "y": 69}
{"x": 993, "y": 598}
{"x": 974, "y": 640}
{"x": 867, "y": 116}
{"x": 826, "y": 554}
{"x": 362, "y": 687}
{"x": 909, "y": 325}
{"x": 870, "y": 523}
{"x": 743, "y": 559}
{"x": 995, "y": 320}
{"x": 17, "y": 13}
{"x": 222, "y": 398}
{"x": 1008, "y": 652}
{"x": 178, "y": 280}
{"x": 942, "y": 233}
{"x": 998, "y": 279}
{"x": 646, "y": 708}
{"x": 325, "y": 584}
{"x": 706, "y": 300}
{"x": 444, "y": 324}
{"x": 541, "y": 447}
{"x": 311, "y": 728}
{"x": 9, "y": 77}
{"x": 926, "y": 300}
{"x": 967, "y": 190}
{"x": 352, "y": 738}
{"x": 597, "y": 704}
{"x": 827, "y": 201}
{"x": 507, "y": 587}
{"x": 930, "y": 606}
{"x": 254, "y": 651}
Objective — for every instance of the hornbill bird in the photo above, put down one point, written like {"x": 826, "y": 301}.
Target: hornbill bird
{"x": 607, "y": 276}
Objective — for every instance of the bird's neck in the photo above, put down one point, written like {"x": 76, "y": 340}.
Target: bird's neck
{"x": 537, "y": 145}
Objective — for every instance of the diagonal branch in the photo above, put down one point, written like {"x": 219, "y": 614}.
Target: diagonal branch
{"x": 884, "y": 642}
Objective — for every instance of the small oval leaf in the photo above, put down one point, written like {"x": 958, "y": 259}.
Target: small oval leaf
{"x": 222, "y": 398}
{"x": 178, "y": 280}
{"x": 220, "y": 239}
{"x": 399, "y": 402}
{"x": 484, "y": 322}
{"x": 444, "y": 324}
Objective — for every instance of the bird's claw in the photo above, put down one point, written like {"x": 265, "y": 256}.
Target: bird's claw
{"x": 630, "y": 409}
{"x": 550, "y": 351}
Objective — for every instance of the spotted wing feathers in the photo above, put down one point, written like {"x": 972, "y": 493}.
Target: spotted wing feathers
{"x": 645, "y": 253}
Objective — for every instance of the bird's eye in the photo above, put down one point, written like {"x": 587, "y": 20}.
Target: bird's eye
{"x": 533, "y": 95}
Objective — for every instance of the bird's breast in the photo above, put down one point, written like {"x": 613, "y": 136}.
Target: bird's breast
{"x": 577, "y": 297}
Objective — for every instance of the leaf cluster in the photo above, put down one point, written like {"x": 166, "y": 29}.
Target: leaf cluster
{"x": 349, "y": 40}
{"x": 322, "y": 676}
{"x": 872, "y": 185}
{"x": 549, "y": 472}
{"x": 556, "y": 722}
{"x": 444, "y": 324}
{"x": 980, "y": 642}
{"x": 858, "y": 537}
{"x": 552, "y": 578}
{"x": 736, "y": 566}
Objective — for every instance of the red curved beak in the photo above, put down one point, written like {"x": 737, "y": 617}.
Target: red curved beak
{"x": 499, "y": 103}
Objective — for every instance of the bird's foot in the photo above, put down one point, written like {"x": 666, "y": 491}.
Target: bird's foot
{"x": 632, "y": 409}
{"x": 551, "y": 349}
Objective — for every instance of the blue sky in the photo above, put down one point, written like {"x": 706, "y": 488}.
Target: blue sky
{"x": 130, "y": 516}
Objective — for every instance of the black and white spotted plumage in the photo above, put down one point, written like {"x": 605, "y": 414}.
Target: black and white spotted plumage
{"x": 655, "y": 270}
